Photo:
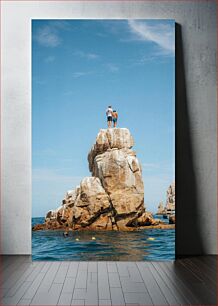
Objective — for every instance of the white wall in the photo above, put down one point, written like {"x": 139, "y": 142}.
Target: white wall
{"x": 198, "y": 26}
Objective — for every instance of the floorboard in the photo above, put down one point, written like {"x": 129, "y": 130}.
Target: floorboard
{"x": 187, "y": 281}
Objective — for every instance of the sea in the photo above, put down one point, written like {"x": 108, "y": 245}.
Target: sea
{"x": 143, "y": 245}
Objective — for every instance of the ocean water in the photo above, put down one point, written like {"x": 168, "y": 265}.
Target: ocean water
{"x": 148, "y": 244}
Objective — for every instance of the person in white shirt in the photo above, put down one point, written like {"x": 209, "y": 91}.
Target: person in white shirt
{"x": 109, "y": 112}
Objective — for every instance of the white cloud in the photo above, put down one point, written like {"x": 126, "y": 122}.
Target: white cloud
{"x": 61, "y": 25}
{"x": 50, "y": 59}
{"x": 80, "y": 74}
{"x": 101, "y": 34}
{"x": 90, "y": 56}
{"x": 47, "y": 36}
{"x": 112, "y": 67}
{"x": 161, "y": 34}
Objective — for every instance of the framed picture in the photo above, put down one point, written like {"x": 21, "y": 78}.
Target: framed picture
{"x": 103, "y": 139}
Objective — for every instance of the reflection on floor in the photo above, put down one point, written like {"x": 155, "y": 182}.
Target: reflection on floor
{"x": 188, "y": 281}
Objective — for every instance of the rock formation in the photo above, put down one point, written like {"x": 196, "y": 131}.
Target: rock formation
{"x": 161, "y": 209}
{"x": 170, "y": 204}
{"x": 172, "y": 219}
{"x": 113, "y": 197}
{"x": 169, "y": 208}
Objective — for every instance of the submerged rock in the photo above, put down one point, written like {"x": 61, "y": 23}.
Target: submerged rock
{"x": 113, "y": 197}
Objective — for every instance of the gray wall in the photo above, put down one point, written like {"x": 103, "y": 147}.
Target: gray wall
{"x": 195, "y": 112}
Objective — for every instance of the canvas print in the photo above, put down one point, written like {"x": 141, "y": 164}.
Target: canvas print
{"x": 103, "y": 139}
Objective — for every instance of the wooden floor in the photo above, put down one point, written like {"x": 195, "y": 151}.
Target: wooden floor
{"x": 189, "y": 281}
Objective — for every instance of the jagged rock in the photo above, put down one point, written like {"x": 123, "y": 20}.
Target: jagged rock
{"x": 142, "y": 220}
{"x": 160, "y": 226}
{"x": 104, "y": 222}
{"x": 172, "y": 219}
{"x": 109, "y": 139}
{"x": 161, "y": 209}
{"x": 49, "y": 214}
{"x": 121, "y": 177}
{"x": 70, "y": 197}
{"x": 38, "y": 227}
{"x": 170, "y": 204}
{"x": 91, "y": 202}
{"x": 113, "y": 198}
{"x": 169, "y": 208}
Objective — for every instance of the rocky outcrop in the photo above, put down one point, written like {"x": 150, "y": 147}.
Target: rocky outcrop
{"x": 113, "y": 161}
{"x": 113, "y": 197}
{"x": 170, "y": 204}
{"x": 172, "y": 219}
{"x": 161, "y": 209}
{"x": 169, "y": 208}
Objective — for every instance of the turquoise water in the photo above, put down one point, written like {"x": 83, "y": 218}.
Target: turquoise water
{"x": 115, "y": 246}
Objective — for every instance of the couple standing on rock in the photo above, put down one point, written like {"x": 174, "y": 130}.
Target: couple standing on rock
{"x": 112, "y": 115}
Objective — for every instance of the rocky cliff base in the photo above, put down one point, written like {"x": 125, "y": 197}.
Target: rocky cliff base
{"x": 158, "y": 225}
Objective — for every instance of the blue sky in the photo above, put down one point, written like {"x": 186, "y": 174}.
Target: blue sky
{"x": 79, "y": 67}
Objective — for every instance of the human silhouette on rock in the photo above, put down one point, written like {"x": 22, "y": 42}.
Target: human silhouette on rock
{"x": 109, "y": 112}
